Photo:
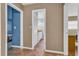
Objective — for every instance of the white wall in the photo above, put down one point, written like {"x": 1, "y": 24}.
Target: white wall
{"x": 72, "y": 9}
{"x": 41, "y": 20}
{"x": 34, "y": 28}
{"x": 72, "y": 25}
{"x": 40, "y": 25}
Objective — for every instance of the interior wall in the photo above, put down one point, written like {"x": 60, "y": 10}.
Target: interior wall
{"x": 19, "y": 5}
{"x": 54, "y": 25}
{"x": 3, "y": 27}
{"x": 73, "y": 8}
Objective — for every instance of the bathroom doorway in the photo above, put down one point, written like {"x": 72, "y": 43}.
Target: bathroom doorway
{"x": 14, "y": 28}
{"x": 39, "y": 29}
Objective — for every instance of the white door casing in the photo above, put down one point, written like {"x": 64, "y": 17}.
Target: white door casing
{"x": 65, "y": 29}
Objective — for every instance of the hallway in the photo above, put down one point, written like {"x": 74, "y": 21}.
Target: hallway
{"x": 38, "y": 51}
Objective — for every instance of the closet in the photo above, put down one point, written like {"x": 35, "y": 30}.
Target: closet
{"x": 13, "y": 27}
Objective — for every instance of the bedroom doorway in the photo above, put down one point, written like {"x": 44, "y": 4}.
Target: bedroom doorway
{"x": 39, "y": 29}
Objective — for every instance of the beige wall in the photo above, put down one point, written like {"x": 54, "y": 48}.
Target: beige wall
{"x": 18, "y": 5}
{"x": 54, "y": 25}
{"x": 3, "y": 27}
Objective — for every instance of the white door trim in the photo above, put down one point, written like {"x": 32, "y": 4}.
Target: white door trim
{"x": 65, "y": 29}
{"x": 21, "y": 25}
{"x": 51, "y": 51}
{"x": 44, "y": 9}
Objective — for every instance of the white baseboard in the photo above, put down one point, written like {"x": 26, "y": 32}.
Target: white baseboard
{"x": 27, "y": 48}
{"x": 54, "y": 51}
{"x": 16, "y": 46}
{"x": 51, "y": 51}
{"x": 22, "y": 47}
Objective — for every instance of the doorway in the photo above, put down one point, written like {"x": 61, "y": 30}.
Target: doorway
{"x": 39, "y": 28}
{"x": 71, "y": 29}
{"x": 14, "y": 33}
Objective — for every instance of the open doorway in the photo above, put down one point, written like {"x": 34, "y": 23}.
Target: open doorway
{"x": 39, "y": 29}
{"x": 14, "y": 28}
{"x": 71, "y": 29}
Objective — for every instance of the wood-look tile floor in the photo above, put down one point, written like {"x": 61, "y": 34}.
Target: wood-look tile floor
{"x": 38, "y": 51}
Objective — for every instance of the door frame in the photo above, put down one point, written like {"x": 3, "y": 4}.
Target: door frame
{"x": 44, "y": 9}
{"x": 65, "y": 31}
{"x": 78, "y": 30}
{"x": 21, "y": 26}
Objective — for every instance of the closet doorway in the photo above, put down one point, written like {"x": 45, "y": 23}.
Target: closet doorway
{"x": 14, "y": 28}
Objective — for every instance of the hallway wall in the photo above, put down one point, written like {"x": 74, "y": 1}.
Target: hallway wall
{"x": 54, "y": 25}
{"x": 3, "y": 27}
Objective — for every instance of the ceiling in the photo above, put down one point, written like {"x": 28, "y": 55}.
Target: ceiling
{"x": 27, "y": 3}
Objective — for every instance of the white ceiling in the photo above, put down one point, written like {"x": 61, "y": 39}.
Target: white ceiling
{"x": 27, "y": 3}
